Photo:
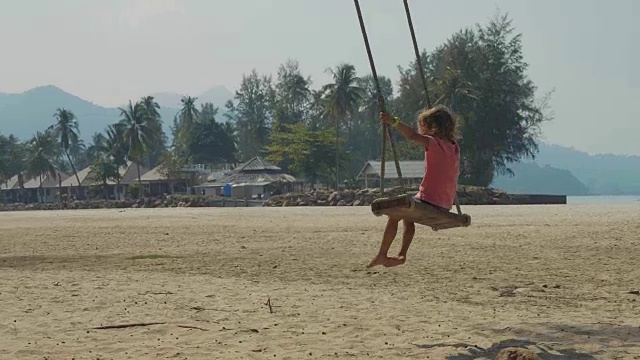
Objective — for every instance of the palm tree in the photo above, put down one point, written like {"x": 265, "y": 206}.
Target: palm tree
{"x": 189, "y": 113}
{"x": 151, "y": 107}
{"x": 13, "y": 155}
{"x": 453, "y": 86}
{"x": 104, "y": 170}
{"x": 154, "y": 119}
{"x": 43, "y": 149}
{"x": 139, "y": 133}
{"x": 5, "y": 148}
{"x": 183, "y": 123}
{"x": 66, "y": 131}
{"x": 93, "y": 151}
{"x": 341, "y": 98}
{"x": 112, "y": 147}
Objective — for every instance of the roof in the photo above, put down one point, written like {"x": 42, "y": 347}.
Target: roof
{"x": 252, "y": 178}
{"x": 257, "y": 164}
{"x": 47, "y": 181}
{"x": 84, "y": 175}
{"x": 213, "y": 176}
{"x": 154, "y": 174}
{"x": 255, "y": 172}
{"x": 410, "y": 169}
{"x": 10, "y": 184}
{"x": 130, "y": 175}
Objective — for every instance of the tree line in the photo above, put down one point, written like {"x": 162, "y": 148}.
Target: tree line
{"x": 324, "y": 134}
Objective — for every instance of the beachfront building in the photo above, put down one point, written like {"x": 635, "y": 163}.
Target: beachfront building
{"x": 255, "y": 179}
{"x": 89, "y": 186}
{"x": 412, "y": 173}
{"x": 45, "y": 188}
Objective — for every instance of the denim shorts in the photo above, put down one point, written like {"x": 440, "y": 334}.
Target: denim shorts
{"x": 428, "y": 203}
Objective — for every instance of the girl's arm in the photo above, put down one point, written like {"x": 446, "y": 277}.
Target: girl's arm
{"x": 410, "y": 133}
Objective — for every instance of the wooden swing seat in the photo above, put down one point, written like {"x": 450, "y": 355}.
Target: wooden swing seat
{"x": 407, "y": 208}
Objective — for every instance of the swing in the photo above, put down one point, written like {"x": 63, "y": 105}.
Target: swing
{"x": 405, "y": 206}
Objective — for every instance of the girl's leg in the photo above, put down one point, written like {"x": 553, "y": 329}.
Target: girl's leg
{"x": 407, "y": 237}
{"x": 390, "y": 232}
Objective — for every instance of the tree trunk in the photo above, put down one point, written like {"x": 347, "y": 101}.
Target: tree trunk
{"x": 73, "y": 167}
{"x": 4, "y": 196}
{"x": 139, "y": 181}
{"x": 59, "y": 188}
{"x": 40, "y": 192}
{"x": 22, "y": 190}
{"x": 337, "y": 153}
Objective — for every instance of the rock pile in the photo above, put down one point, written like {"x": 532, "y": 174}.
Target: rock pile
{"x": 169, "y": 201}
{"x": 467, "y": 195}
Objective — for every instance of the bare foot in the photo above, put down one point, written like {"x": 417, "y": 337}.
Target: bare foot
{"x": 379, "y": 260}
{"x": 395, "y": 261}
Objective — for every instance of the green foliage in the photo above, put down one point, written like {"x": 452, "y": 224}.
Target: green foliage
{"x": 292, "y": 96}
{"x": 183, "y": 125}
{"x": 252, "y": 111}
{"x": 157, "y": 148}
{"x": 96, "y": 191}
{"x": 42, "y": 152}
{"x": 309, "y": 152}
{"x": 210, "y": 143}
{"x": 104, "y": 170}
{"x": 12, "y": 157}
{"x": 324, "y": 133}
{"x": 171, "y": 165}
{"x": 139, "y": 130}
{"x": 135, "y": 191}
{"x": 481, "y": 75}
{"x": 66, "y": 131}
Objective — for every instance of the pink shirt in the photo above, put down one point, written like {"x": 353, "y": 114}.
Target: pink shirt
{"x": 442, "y": 167}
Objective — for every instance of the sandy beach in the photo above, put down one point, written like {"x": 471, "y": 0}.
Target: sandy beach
{"x": 560, "y": 280}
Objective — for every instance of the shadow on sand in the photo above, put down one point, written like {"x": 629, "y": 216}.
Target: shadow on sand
{"x": 552, "y": 341}
{"x": 472, "y": 352}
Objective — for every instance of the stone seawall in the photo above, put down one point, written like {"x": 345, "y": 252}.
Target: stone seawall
{"x": 467, "y": 195}
{"x": 170, "y": 201}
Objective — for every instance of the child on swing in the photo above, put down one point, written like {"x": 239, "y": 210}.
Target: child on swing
{"x": 437, "y": 134}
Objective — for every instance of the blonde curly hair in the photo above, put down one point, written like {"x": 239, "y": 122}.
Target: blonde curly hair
{"x": 439, "y": 121}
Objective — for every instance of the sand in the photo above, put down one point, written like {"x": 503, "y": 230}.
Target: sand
{"x": 555, "y": 279}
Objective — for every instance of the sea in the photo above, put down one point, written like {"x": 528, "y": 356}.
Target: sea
{"x": 603, "y": 199}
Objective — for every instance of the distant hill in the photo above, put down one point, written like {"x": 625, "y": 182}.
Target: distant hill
{"x": 530, "y": 178}
{"x": 562, "y": 170}
{"x": 603, "y": 174}
{"x": 25, "y": 113}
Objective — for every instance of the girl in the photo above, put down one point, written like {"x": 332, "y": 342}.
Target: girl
{"x": 437, "y": 134}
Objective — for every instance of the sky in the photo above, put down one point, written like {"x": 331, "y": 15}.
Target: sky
{"x": 110, "y": 51}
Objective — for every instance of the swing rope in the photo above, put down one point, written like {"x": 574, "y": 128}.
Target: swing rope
{"x": 386, "y": 131}
{"x": 422, "y": 76}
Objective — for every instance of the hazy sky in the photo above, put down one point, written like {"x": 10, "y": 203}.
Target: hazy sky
{"x": 109, "y": 51}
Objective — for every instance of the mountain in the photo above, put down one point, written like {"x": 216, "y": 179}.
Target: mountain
{"x": 604, "y": 174}
{"x": 531, "y": 178}
{"x": 25, "y": 113}
{"x": 562, "y": 170}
